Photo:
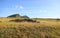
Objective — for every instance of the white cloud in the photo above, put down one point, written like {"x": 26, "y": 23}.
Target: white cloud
{"x": 43, "y": 11}
{"x": 19, "y": 7}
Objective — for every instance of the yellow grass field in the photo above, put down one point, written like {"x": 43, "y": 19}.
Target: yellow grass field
{"x": 46, "y": 28}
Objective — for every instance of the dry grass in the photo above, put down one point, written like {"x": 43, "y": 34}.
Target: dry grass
{"x": 44, "y": 29}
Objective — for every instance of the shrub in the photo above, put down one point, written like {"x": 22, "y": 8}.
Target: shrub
{"x": 23, "y": 20}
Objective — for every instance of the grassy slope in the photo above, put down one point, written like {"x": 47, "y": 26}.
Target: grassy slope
{"x": 44, "y": 29}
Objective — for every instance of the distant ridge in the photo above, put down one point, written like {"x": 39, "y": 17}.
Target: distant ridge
{"x": 17, "y": 15}
{"x": 14, "y": 15}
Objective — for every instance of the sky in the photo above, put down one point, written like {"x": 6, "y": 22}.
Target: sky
{"x": 31, "y": 8}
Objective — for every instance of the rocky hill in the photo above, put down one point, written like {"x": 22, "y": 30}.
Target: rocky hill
{"x": 17, "y": 15}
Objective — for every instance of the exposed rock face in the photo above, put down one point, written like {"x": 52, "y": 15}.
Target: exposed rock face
{"x": 14, "y": 15}
{"x": 25, "y": 16}
{"x": 17, "y": 15}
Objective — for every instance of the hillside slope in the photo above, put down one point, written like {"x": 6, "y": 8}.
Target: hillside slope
{"x": 43, "y": 29}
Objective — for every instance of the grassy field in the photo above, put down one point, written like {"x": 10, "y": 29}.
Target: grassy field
{"x": 46, "y": 28}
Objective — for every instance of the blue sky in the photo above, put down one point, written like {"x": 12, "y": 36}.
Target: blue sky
{"x": 31, "y": 8}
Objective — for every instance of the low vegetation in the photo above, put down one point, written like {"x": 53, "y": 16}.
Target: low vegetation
{"x": 30, "y": 32}
{"x": 29, "y": 28}
{"x": 23, "y": 20}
